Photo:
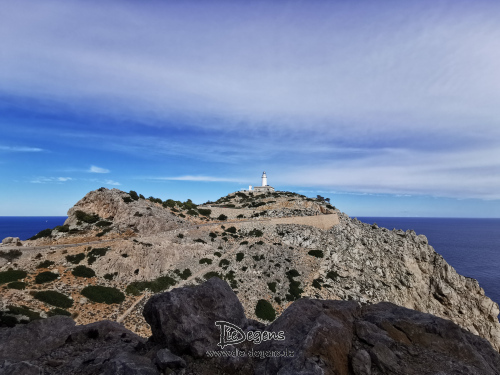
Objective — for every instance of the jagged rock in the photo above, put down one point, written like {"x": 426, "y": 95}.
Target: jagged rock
{"x": 166, "y": 359}
{"x": 18, "y": 368}
{"x": 12, "y": 241}
{"x": 43, "y": 336}
{"x": 183, "y": 320}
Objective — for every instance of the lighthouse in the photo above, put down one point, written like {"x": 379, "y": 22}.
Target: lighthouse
{"x": 264, "y": 188}
{"x": 264, "y": 179}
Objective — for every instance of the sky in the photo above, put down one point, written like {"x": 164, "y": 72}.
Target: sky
{"x": 388, "y": 108}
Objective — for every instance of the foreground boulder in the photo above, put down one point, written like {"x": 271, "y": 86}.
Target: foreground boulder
{"x": 310, "y": 337}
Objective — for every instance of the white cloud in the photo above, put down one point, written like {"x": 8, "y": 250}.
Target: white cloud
{"x": 199, "y": 179}
{"x": 94, "y": 169}
{"x": 20, "y": 149}
{"x": 44, "y": 180}
{"x": 111, "y": 182}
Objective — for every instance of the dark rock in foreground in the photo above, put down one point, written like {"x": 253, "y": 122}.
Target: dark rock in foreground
{"x": 318, "y": 337}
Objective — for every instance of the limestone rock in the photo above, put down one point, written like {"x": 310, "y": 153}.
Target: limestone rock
{"x": 15, "y": 241}
{"x": 183, "y": 320}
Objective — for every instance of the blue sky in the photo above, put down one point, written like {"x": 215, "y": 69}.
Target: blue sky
{"x": 389, "y": 108}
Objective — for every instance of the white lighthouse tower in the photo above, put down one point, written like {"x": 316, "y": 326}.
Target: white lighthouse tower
{"x": 264, "y": 179}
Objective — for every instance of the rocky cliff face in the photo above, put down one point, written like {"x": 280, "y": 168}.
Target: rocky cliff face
{"x": 310, "y": 337}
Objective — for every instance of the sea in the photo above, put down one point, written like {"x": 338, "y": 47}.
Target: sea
{"x": 471, "y": 246}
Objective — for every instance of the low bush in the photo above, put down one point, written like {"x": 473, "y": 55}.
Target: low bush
{"x": 45, "y": 277}
{"x": 62, "y": 228}
{"x": 272, "y": 287}
{"x": 103, "y": 223}
{"x": 244, "y": 243}
{"x": 184, "y": 275}
{"x": 217, "y": 254}
{"x": 239, "y": 257}
{"x": 44, "y": 233}
{"x": 231, "y": 230}
{"x": 82, "y": 271}
{"x": 127, "y": 199}
{"x": 103, "y": 294}
{"x": 180, "y": 235}
{"x": 75, "y": 259}
{"x": 204, "y": 211}
{"x": 54, "y": 298}
{"x": 224, "y": 263}
{"x": 133, "y": 195}
{"x": 317, "y": 283}
{"x": 12, "y": 275}
{"x": 213, "y": 235}
{"x": 106, "y": 230}
{"x": 157, "y": 285}
{"x": 192, "y": 212}
{"x": 205, "y": 261}
{"x": 222, "y": 217}
{"x": 58, "y": 311}
{"x": 333, "y": 275}
{"x": 316, "y": 253}
{"x": 45, "y": 264}
{"x": 110, "y": 276}
{"x": 240, "y": 216}
{"x": 256, "y": 233}
{"x": 199, "y": 240}
{"x": 211, "y": 274}
{"x": 96, "y": 253}
{"x": 86, "y": 218}
{"x": 23, "y": 310}
{"x": 265, "y": 311}
{"x": 16, "y": 285}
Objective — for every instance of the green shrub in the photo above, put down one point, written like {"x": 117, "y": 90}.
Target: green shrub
{"x": 204, "y": 211}
{"x": 106, "y": 230}
{"x": 96, "y": 253}
{"x": 256, "y": 233}
{"x": 224, "y": 263}
{"x": 62, "y": 228}
{"x": 292, "y": 273}
{"x": 23, "y": 310}
{"x": 265, "y": 311}
{"x": 11, "y": 255}
{"x": 110, "y": 276}
{"x": 205, "y": 261}
{"x": 103, "y": 223}
{"x": 199, "y": 240}
{"x": 82, "y": 271}
{"x": 45, "y": 277}
{"x": 213, "y": 235}
{"x": 244, "y": 243}
{"x": 222, "y": 217}
{"x": 157, "y": 285}
{"x": 192, "y": 212}
{"x": 240, "y": 216}
{"x": 184, "y": 275}
{"x": 127, "y": 199}
{"x": 316, "y": 253}
{"x": 260, "y": 243}
{"x": 54, "y": 298}
{"x": 45, "y": 264}
{"x": 44, "y": 233}
{"x": 16, "y": 285}
{"x": 86, "y": 218}
{"x": 211, "y": 274}
{"x": 272, "y": 287}
{"x": 231, "y": 230}
{"x": 239, "y": 257}
{"x": 133, "y": 195}
{"x": 103, "y": 294}
{"x": 180, "y": 235}
{"x": 12, "y": 275}
{"x": 217, "y": 254}
{"x": 75, "y": 259}
{"x": 58, "y": 311}
{"x": 317, "y": 283}
{"x": 333, "y": 275}
{"x": 294, "y": 290}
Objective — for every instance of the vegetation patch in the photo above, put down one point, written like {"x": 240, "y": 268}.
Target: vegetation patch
{"x": 317, "y": 283}
{"x": 96, "y": 253}
{"x": 231, "y": 230}
{"x": 106, "y": 230}
{"x": 45, "y": 264}
{"x": 192, "y": 212}
{"x": 23, "y": 310}
{"x": 62, "y": 228}
{"x": 12, "y": 275}
{"x": 222, "y": 217}
{"x": 204, "y": 211}
{"x": 54, "y": 298}
{"x": 16, "y": 285}
{"x": 265, "y": 311}
{"x": 86, "y": 218}
{"x": 103, "y": 223}
{"x": 213, "y": 235}
{"x": 103, "y": 294}
{"x": 239, "y": 257}
{"x": 224, "y": 263}
{"x": 82, "y": 271}
{"x": 272, "y": 287}
{"x": 294, "y": 290}
{"x": 45, "y": 277}
{"x": 316, "y": 253}
{"x": 75, "y": 259}
{"x": 256, "y": 233}
{"x": 205, "y": 261}
{"x": 218, "y": 254}
{"x": 44, "y": 233}
{"x": 157, "y": 285}
{"x": 184, "y": 275}
{"x": 199, "y": 240}
{"x": 211, "y": 274}
{"x": 180, "y": 235}
{"x": 244, "y": 243}
{"x": 58, "y": 311}
{"x": 110, "y": 276}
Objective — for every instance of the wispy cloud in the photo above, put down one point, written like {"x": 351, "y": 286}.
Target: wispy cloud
{"x": 20, "y": 149}
{"x": 200, "y": 179}
{"x": 94, "y": 169}
{"x": 44, "y": 180}
{"x": 111, "y": 182}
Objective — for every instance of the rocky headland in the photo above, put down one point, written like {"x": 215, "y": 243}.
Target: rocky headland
{"x": 279, "y": 251}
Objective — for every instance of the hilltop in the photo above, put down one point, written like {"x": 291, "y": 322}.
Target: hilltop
{"x": 116, "y": 249}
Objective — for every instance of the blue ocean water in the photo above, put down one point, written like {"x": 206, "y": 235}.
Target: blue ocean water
{"x": 25, "y": 227}
{"x": 471, "y": 246}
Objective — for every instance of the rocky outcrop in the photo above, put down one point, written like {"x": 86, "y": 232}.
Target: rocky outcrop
{"x": 123, "y": 212}
{"x": 369, "y": 264}
{"x": 12, "y": 241}
{"x": 317, "y": 337}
